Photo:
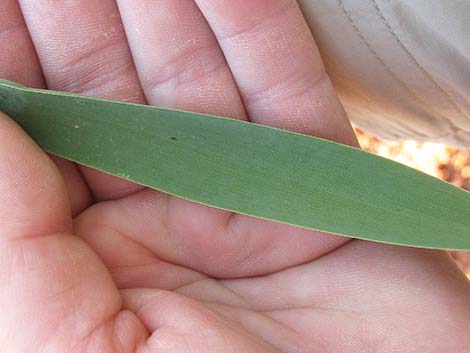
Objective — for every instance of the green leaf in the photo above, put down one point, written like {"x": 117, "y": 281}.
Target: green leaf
{"x": 247, "y": 168}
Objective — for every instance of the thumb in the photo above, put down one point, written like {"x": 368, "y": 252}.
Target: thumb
{"x": 54, "y": 291}
{"x": 33, "y": 199}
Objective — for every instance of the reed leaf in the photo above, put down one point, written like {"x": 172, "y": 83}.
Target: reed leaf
{"x": 247, "y": 168}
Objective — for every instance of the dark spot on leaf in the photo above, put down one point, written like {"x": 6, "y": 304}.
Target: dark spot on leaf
{"x": 173, "y": 138}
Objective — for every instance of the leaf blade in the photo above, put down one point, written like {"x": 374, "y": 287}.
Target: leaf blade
{"x": 247, "y": 168}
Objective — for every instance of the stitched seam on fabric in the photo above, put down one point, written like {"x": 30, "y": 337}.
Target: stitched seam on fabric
{"x": 391, "y": 72}
{"x": 415, "y": 61}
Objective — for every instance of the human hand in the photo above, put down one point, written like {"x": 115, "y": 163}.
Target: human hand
{"x": 146, "y": 272}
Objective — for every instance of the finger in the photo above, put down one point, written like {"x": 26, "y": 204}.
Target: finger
{"x": 283, "y": 83}
{"x": 32, "y": 202}
{"x": 19, "y": 63}
{"x": 181, "y": 66}
{"x": 54, "y": 292}
{"x": 82, "y": 48}
{"x": 178, "y": 59}
{"x": 280, "y": 75}
{"x": 15, "y": 43}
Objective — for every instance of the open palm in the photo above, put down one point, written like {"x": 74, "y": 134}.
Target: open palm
{"x": 146, "y": 272}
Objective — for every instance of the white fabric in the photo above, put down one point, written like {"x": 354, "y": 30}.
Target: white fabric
{"x": 401, "y": 67}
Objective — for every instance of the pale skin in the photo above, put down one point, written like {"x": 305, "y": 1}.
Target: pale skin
{"x": 91, "y": 263}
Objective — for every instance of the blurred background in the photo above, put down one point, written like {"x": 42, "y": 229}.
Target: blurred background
{"x": 446, "y": 163}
